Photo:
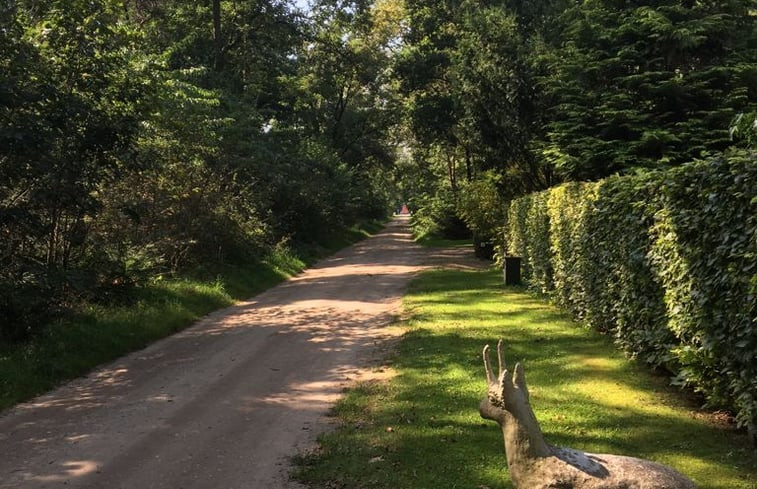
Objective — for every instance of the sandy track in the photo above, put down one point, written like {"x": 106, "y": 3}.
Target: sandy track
{"x": 225, "y": 403}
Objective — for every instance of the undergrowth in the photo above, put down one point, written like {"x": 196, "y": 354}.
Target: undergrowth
{"x": 97, "y": 333}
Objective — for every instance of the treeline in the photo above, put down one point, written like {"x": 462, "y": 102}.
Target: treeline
{"x": 664, "y": 262}
{"x": 146, "y": 137}
{"x": 507, "y": 98}
{"x": 516, "y": 96}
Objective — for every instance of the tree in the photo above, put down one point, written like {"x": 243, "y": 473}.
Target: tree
{"x": 646, "y": 84}
{"x": 70, "y": 115}
{"x": 497, "y": 65}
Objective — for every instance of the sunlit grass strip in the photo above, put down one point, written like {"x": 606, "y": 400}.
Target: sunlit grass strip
{"x": 436, "y": 242}
{"x": 422, "y": 429}
{"x": 100, "y": 333}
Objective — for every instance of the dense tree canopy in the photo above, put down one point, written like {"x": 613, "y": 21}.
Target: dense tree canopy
{"x": 140, "y": 137}
{"x": 548, "y": 91}
{"x": 647, "y": 84}
{"x": 144, "y": 136}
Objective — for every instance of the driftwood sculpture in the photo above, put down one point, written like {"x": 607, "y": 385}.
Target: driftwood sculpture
{"x": 534, "y": 464}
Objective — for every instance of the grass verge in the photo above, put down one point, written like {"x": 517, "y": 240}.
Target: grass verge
{"x": 437, "y": 242}
{"x": 96, "y": 334}
{"x": 422, "y": 429}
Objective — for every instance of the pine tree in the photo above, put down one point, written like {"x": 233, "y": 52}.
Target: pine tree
{"x": 647, "y": 84}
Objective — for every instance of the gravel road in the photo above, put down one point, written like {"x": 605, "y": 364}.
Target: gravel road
{"x": 225, "y": 403}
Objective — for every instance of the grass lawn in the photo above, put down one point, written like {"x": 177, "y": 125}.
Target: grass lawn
{"x": 422, "y": 429}
{"x": 98, "y": 333}
{"x": 435, "y": 242}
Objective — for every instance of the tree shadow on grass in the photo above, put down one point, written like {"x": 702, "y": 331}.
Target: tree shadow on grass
{"x": 423, "y": 430}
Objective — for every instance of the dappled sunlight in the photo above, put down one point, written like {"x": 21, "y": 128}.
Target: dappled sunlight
{"x": 350, "y": 270}
{"x": 585, "y": 394}
{"x": 274, "y": 364}
{"x": 77, "y": 438}
{"x": 311, "y": 396}
{"x": 160, "y": 398}
{"x": 319, "y": 395}
{"x": 64, "y": 471}
{"x": 83, "y": 394}
{"x": 601, "y": 364}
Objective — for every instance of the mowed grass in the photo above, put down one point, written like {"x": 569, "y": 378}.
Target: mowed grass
{"x": 437, "y": 242}
{"x": 422, "y": 429}
{"x": 98, "y": 333}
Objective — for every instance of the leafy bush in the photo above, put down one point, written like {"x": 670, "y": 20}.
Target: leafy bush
{"x": 528, "y": 237}
{"x": 437, "y": 216}
{"x": 567, "y": 208}
{"x": 665, "y": 261}
{"x": 704, "y": 250}
{"x": 622, "y": 294}
{"x": 479, "y": 204}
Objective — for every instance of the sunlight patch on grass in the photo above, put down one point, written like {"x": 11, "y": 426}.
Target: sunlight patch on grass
{"x": 422, "y": 428}
{"x": 436, "y": 242}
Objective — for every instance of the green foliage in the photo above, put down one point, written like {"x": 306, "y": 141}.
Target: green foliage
{"x": 150, "y": 138}
{"x": 516, "y": 242}
{"x": 568, "y": 207}
{"x": 70, "y": 110}
{"x": 470, "y": 89}
{"x": 623, "y": 295}
{"x": 665, "y": 261}
{"x": 480, "y": 205}
{"x": 527, "y": 236}
{"x": 584, "y": 394}
{"x": 549, "y": 91}
{"x": 437, "y": 217}
{"x": 496, "y": 82}
{"x": 646, "y": 85}
{"x": 309, "y": 193}
{"x": 704, "y": 255}
{"x": 482, "y": 209}
{"x": 744, "y": 129}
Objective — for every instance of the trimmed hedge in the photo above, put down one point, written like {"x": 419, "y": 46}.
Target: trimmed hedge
{"x": 665, "y": 261}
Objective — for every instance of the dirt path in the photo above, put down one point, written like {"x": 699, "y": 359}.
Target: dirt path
{"x": 225, "y": 403}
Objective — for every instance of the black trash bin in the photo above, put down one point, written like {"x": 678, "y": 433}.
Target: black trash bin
{"x": 512, "y": 270}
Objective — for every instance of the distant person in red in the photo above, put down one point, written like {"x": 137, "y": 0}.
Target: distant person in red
{"x": 405, "y": 211}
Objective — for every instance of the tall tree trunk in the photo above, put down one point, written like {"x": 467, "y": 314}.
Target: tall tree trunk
{"x": 52, "y": 238}
{"x": 468, "y": 165}
{"x": 451, "y": 170}
{"x": 217, "y": 36}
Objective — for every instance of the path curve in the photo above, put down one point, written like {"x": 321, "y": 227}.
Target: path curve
{"x": 225, "y": 403}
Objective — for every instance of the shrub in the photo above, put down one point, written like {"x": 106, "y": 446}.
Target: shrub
{"x": 479, "y": 204}
{"x": 665, "y": 261}
{"x": 528, "y": 237}
{"x": 623, "y": 294}
{"x": 482, "y": 209}
{"x": 437, "y": 216}
{"x": 515, "y": 232}
{"x": 704, "y": 254}
{"x": 567, "y": 208}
